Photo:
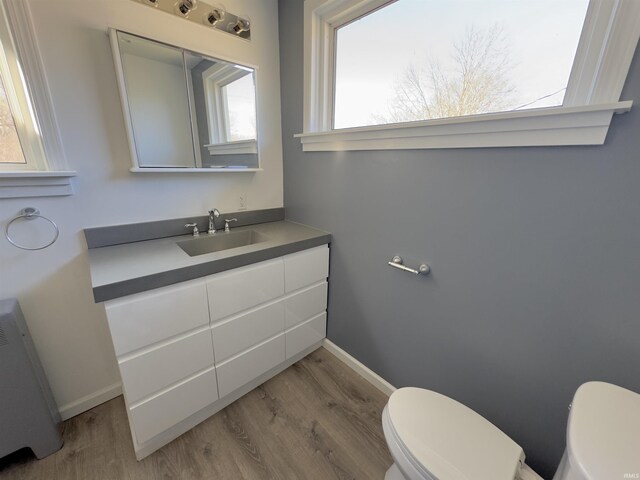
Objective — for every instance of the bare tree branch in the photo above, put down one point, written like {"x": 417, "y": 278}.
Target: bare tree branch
{"x": 479, "y": 83}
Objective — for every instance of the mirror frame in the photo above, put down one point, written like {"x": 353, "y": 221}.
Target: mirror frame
{"x": 122, "y": 88}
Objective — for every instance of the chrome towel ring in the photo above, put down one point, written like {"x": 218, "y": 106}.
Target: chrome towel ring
{"x": 31, "y": 213}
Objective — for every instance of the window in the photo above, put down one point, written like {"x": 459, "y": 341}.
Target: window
{"x": 10, "y": 149}
{"x": 20, "y": 145}
{"x": 231, "y": 109}
{"x": 466, "y": 58}
{"x": 29, "y": 141}
{"x": 464, "y": 73}
{"x": 240, "y": 100}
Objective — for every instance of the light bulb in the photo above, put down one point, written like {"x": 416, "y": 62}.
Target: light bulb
{"x": 242, "y": 25}
{"x": 214, "y": 16}
{"x": 184, "y": 7}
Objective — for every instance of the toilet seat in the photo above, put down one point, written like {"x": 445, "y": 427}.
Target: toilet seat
{"x": 439, "y": 438}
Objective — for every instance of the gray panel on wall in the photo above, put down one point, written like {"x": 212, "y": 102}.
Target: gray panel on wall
{"x": 534, "y": 253}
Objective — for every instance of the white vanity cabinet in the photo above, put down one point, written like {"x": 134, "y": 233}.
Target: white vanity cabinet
{"x": 305, "y": 302}
{"x": 187, "y": 350}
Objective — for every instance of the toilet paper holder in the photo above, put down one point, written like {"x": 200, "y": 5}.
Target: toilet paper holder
{"x": 397, "y": 262}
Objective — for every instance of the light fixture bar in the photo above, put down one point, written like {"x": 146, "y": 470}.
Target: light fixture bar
{"x": 201, "y": 13}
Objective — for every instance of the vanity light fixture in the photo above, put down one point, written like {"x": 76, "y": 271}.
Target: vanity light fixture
{"x": 214, "y": 16}
{"x": 201, "y": 13}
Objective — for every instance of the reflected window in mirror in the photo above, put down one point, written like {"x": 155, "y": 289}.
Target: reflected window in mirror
{"x": 225, "y": 108}
{"x": 241, "y": 114}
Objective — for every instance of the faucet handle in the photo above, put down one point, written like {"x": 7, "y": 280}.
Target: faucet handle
{"x": 195, "y": 228}
{"x": 226, "y": 223}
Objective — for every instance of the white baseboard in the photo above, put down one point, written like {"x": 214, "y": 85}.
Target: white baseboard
{"x": 87, "y": 402}
{"x": 372, "y": 377}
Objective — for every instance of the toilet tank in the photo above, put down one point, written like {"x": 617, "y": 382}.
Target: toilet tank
{"x": 603, "y": 434}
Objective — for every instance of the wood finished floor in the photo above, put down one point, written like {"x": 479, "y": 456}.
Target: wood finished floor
{"x": 316, "y": 420}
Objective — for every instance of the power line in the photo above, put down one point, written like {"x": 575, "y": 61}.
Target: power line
{"x": 540, "y": 98}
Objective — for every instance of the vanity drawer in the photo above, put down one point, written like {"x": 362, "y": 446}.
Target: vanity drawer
{"x": 306, "y": 334}
{"x": 239, "y": 333}
{"x": 306, "y": 268}
{"x": 240, "y": 289}
{"x": 156, "y": 369}
{"x": 171, "y": 407}
{"x": 146, "y": 318}
{"x": 238, "y": 371}
{"x": 305, "y": 304}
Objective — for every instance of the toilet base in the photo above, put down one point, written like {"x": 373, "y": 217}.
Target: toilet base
{"x": 394, "y": 473}
{"x": 527, "y": 473}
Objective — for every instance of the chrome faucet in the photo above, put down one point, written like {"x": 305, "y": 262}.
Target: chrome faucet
{"x": 195, "y": 228}
{"x": 226, "y": 223}
{"x": 213, "y": 214}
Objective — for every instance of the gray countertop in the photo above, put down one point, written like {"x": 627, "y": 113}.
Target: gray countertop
{"x": 121, "y": 270}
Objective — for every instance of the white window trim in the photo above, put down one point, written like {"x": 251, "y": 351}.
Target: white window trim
{"x": 605, "y": 51}
{"x": 215, "y": 79}
{"x": 49, "y": 176}
{"x": 194, "y": 118}
{"x": 233, "y": 148}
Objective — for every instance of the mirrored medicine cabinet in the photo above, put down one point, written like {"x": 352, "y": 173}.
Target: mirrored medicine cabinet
{"x": 185, "y": 111}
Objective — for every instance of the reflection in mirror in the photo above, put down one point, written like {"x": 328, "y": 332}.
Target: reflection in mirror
{"x": 225, "y": 111}
{"x": 187, "y": 110}
{"x": 158, "y": 102}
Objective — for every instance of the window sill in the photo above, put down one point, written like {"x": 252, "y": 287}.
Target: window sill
{"x": 24, "y": 184}
{"x": 586, "y": 125}
{"x": 233, "y": 148}
{"x": 193, "y": 170}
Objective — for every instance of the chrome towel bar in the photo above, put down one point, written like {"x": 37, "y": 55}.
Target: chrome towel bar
{"x": 423, "y": 269}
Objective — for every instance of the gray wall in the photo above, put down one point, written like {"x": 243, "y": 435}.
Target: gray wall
{"x": 535, "y": 254}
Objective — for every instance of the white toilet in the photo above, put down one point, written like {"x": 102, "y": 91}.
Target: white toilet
{"x": 433, "y": 437}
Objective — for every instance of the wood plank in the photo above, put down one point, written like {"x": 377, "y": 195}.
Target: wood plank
{"x": 316, "y": 420}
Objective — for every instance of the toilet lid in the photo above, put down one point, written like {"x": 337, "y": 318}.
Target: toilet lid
{"x": 603, "y": 438}
{"x": 451, "y": 441}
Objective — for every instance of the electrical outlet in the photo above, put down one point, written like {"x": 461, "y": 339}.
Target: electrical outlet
{"x": 242, "y": 201}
